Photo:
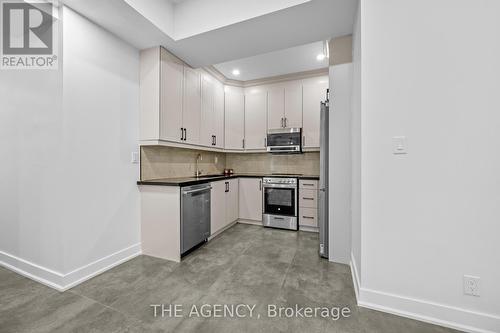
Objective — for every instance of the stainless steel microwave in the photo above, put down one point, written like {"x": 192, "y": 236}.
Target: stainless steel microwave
{"x": 284, "y": 140}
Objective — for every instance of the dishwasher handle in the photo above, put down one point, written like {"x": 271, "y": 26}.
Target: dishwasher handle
{"x": 202, "y": 189}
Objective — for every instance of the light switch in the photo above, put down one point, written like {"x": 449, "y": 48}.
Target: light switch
{"x": 135, "y": 157}
{"x": 399, "y": 145}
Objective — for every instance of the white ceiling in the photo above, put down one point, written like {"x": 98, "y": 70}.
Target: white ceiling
{"x": 292, "y": 60}
{"x": 280, "y": 29}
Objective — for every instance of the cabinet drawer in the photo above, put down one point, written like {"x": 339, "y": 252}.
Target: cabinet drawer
{"x": 308, "y": 217}
{"x": 308, "y": 198}
{"x": 308, "y": 184}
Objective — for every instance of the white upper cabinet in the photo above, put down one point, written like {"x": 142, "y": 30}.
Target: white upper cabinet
{"x": 191, "y": 115}
{"x": 314, "y": 92}
{"x": 208, "y": 117}
{"x": 275, "y": 108}
{"x": 219, "y": 115}
{"x": 285, "y": 105}
{"x": 181, "y": 106}
{"x": 293, "y": 105}
{"x": 255, "y": 120}
{"x": 235, "y": 119}
{"x": 171, "y": 86}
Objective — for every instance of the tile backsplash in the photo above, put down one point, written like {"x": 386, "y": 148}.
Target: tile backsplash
{"x": 306, "y": 163}
{"x": 167, "y": 162}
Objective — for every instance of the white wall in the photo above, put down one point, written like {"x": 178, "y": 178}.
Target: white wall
{"x": 356, "y": 148}
{"x": 68, "y": 201}
{"x": 430, "y": 71}
{"x": 101, "y": 103}
{"x": 31, "y": 123}
{"x": 340, "y": 164}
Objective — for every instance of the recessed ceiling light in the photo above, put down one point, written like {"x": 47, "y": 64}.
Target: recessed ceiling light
{"x": 320, "y": 57}
{"x": 236, "y": 72}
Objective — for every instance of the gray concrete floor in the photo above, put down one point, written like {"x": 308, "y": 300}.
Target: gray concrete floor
{"x": 245, "y": 264}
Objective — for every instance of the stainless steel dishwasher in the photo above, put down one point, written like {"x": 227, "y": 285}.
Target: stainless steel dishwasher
{"x": 195, "y": 216}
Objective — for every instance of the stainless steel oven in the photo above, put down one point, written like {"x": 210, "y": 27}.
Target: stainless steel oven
{"x": 279, "y": 200}
{"x": 284, "y": 140}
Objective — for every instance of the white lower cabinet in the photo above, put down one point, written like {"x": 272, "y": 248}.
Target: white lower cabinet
{"x": 232, "y": 200}
{"x": 224, "y": 204}
{"x": 217, "y": 207}
{"x": 250, "y": 201}
{"x": 308, "y": 204}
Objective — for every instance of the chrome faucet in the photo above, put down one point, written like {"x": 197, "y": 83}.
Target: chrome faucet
{"x": 198, "y": 159}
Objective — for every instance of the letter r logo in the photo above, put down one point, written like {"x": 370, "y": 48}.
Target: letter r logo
{"x": 27, "y": 28}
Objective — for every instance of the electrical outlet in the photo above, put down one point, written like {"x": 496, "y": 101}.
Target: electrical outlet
{"x": 471, "y": 285}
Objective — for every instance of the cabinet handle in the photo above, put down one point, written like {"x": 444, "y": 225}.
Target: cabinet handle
{"x": 307, "y": 217}
{"x": 306, "y": 184}
{"x": 243, "y": 143}
{"x": 282, "y": 122}
{"x": 182, "y": 133}
{"x": 185, "y": 134}
{"x": 265, "y": 142}
{"x": 215, "y": 140}
{"x": 304, "y": 140}
{"x": 307, "y": 198}
{"x": 286, "y": 119}
{"x": 260, "y": 185}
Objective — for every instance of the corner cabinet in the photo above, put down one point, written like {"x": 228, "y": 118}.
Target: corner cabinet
{"x": 212, "y": 112}
{"x": 235, "y": 119}
{"x": 255, "y": 120}
{"x": 223, "y": 205}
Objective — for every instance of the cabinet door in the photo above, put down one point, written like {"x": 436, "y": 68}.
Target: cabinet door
{"x": 250, "y": 199}
{"x": 293, "y": 105}
{"x": 232, "y": 201}
{"x": 207, "y": 129}
{"x": 219, "y": 115}
{"x": 314, "y": 93}
{"x": 275, "y": 108}
{"x": 171, "y": 87}
{"x": 217, "y": 207}
{"x": 191, "y": 115}
{"x": 255, "y": 120}
{"x": 235, "y": 121}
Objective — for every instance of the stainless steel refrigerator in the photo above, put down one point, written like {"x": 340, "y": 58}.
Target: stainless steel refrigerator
{"x": 323, "y": 178}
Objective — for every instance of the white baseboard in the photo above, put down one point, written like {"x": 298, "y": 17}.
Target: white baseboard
{"x": 61, "y": 281}
{"x": 422, "y": 310}
{"x": 308, "y": 229}
{"x": 222, "y": 230}
{"x": 252, "y": 222}
{"x": 32, "y": 271}
{"x": 355, "y": 277}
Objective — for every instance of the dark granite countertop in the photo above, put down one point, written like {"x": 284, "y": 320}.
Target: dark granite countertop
{"x": 188, "y": 181}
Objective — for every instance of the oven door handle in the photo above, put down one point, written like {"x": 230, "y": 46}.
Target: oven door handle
{"x": 292, "y": 187}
